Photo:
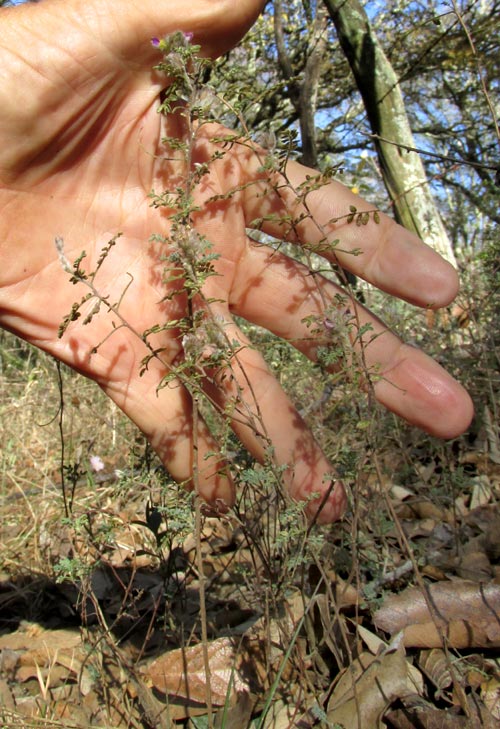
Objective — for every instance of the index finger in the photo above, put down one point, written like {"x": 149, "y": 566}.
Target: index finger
{"x": 326, "y": 217}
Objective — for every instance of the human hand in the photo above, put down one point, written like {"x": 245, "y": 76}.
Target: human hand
{"x": 82, "y": 149}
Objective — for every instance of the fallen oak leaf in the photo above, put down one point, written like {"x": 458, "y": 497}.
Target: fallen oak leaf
{"x": 428, "y": 717}
{"x": 460, "y": 613}
{"x": 181, "y": 673}
{"x": 474, "y": 564}
{"x": 236, "y": 716}
{"x": 435, "y": 663}
{"x": 367, "y": 688}
{"x": 377, "y": 646}
{"x": 6, "y": 696}
{"x": 236, "y": 665}
{"x": 490, "y": 694}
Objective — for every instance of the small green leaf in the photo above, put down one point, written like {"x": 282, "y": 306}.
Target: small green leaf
{"x": 363, "y": 424}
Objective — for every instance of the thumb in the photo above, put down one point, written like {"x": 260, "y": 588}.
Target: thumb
{"x": 127, "y": 27}
{"x": 217, "y": 25}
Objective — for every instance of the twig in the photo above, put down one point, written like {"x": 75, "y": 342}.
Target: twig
{"x": 443, "y": 157}
{"x": 479, "y": 66}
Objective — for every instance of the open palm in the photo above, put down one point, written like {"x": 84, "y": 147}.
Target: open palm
{"x": 81, "y": 151}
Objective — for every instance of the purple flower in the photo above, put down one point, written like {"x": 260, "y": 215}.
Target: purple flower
{"x": 96, "y": 464}
{"x": 155, "y": 42}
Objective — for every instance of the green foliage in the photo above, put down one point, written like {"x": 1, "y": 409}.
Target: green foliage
{"x": 489, "y": 257}
{"x": 73, "y": 569}
{"x": 170, "y": 521}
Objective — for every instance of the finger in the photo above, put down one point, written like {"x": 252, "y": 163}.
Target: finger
{"x": 125, "y": 29}
{"x": 216, "y": 25}
{"x": 373, "y": 247}
{"x": 281, "y": 295}
{"x": 269, "y": 426}
{"x": 176, "y": 431}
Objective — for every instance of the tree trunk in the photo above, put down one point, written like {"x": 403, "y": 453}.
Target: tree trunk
{"x": 303, "y": 89}
{"x": 403, "y": 172}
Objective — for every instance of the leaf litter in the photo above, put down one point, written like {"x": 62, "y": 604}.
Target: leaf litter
{"x": 364, "y": 634}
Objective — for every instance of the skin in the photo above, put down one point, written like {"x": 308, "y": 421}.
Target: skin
{"x": 81, "y": 149}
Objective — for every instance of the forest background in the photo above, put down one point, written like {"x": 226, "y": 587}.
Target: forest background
{"x": 267, "y": 622}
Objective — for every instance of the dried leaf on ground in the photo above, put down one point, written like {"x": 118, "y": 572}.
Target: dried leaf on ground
{"x": 429, "y": 717}
{"x": 377, "y": 646}
{"x": 237, "y": 716}
{"x": 461, "y": 613}
{"x": 486, "y": 521}
{"x": 490, "y": 694}
{"x": 282, "y": 715}
{"x": 237, "y": 665}
{"x": 426, "y": 509}
{"x": 435, "y": 663}
{"x": 474, "y": 564}
{"x": 181, "y": 673}
{"x": 367, "y": 688}
{"x": 6, "y": 698}
{"x": 43, "y": 647}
